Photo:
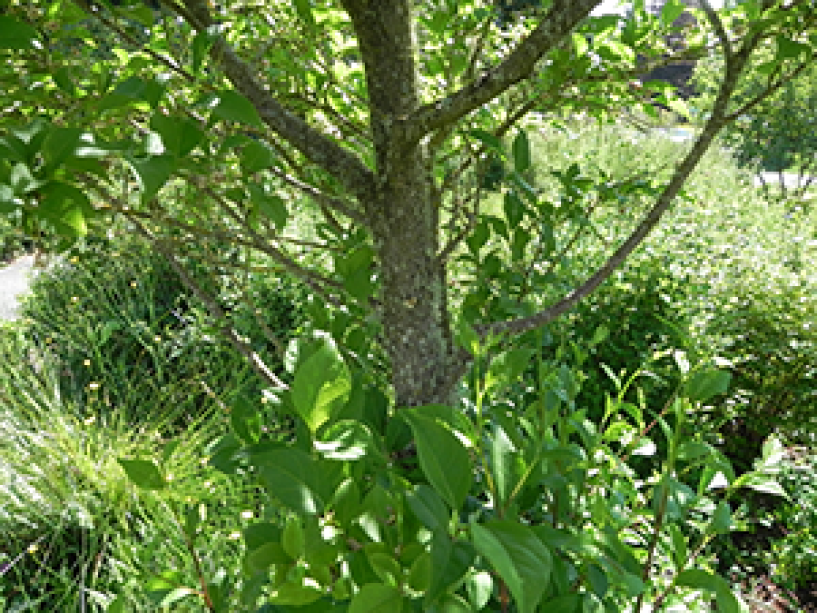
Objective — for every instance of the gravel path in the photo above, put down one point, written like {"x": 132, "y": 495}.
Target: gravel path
{"x": 14, "y": 280}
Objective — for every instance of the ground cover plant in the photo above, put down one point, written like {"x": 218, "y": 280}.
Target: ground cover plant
{"x": 429, "y": 451}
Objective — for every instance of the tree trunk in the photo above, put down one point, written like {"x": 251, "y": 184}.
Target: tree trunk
{"x": 402, "y": 212}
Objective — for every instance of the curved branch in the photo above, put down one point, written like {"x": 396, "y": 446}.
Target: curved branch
{"x": 319, "y": 149}
{"x": 560, "y": 21}
{"x": 717, "y": 120}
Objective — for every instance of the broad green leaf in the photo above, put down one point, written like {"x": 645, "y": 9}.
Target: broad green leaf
{"x": 385, "y": 567}
{"x": 269, "y": 205}
{"x": 773, "y": 454}
{"x": 176, "y": 595}
{"x": 477, "y": 239}
{"x": 508, "y": 367}
{"x": 345, "y": 440}
{"x": 567, "y": 603}
{"x": 513, "y": 208}
{"x": 258, "y": 534}
{"x": 705, "y": 384}
{"x": 152, "y": 173}
{"x": 506, "y": 464}
{"x": 597, "y": 579}
{"x": 15, "y": 34}
{"x": 429, "y": 508}
{"x": 450, "y": 561}
{"x": 377, "y": 598}
{"x": 521, "y": 152}
{"x": 60, "y": 144}
{"x": 256, "y": 156}
{"x": 702, "y": 580}
{"x": 322, "y": 384}
{"x": 232, "y": 106}
{"x": 490, "y": 141}
{"x": 760, "y": 482}
{"x": 787, "y": 48}
{"x": 293, "y": 538}
{"x": 443, "y": 458}
{"x": 180, "y": 135}
{"x": 143, "y": 473}
{"x": 304, "y": 10}
{"x": 296, "y": 479}
{"x": 671, "y": 11}
{"x": 722, "y": 519}
{"x": 419, "y": 576}
{"x": 519, "y": 557}
{"x": 246, "y": 420}
{"x": 66, "y": 207}
{"x": 202, "y": 43}
{"x": 295, "y": 595}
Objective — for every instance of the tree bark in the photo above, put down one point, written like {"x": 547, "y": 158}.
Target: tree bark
{"x": 402, "y": 214}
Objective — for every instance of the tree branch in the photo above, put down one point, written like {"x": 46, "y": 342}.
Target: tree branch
{"x": 215, "y": 309}
{"x": 319, "y": 149}
{"x": 560, "y": 20}
{"x": 734, "y": 66}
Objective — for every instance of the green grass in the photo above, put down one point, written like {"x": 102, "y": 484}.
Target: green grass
{"x": 74, "y": 531}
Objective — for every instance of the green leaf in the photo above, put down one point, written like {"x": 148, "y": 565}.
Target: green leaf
{"x": 143, "y": 473}
{"x": 429, "y": 508}
{"x": 15, "y": 34}
{"x": 66, "y": 207}
{"x": 270, "y": 205}
{"x": 513, "y": 208}
{"x": 671, "y": 11}
{"x": 443, "y": 458}
{"x": 202, "y": 43}
{"x": 705, "y": 384}
{"x": 702, "y": 580}
{"x": 60, "y": 144}
{"x": 300, "y": 482}
{"x": 232, "y": 106}
{"x": 519, "y": 557}
{"x": 152, "y": 173}
{"x": 256, "y": 156}
{"x": 477, "y": 239}
{"x": 293, "y": 538}
{"x": 385, "y": 567}
{"x": 180, "y": 135}
{"x": 721, "y": 520}
{"x": 346, "y": 440}
{"x": 377, "y": 598}
{"x": 246, "y": 421}
{"x": 419, "y": 575}
{"x": 322, "y": 384}
{"x": 450, "y": 561}
{"x": 490, "y": 141}
{"x": 788, "y": 49}
{"x": 521, "y": 152}
{"x": 295, "y": 595}
{"x": 760, "y": 482}
{"x": 506, "y": 464}
{"x": 304, "y": 10}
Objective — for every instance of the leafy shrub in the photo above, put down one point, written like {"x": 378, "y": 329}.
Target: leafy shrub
{"x": 793, "y": 557}
{"x": 641, "y": 310}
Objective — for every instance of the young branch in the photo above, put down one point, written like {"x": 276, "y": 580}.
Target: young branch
{"x": 717, "y": 120}
{"x": 215, "y": 309}
{"x": 558, "y": 23}
{"x": 319, "y": 149}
